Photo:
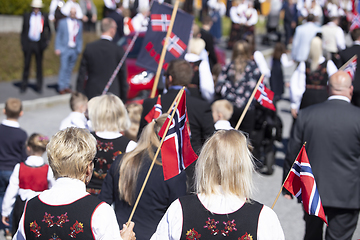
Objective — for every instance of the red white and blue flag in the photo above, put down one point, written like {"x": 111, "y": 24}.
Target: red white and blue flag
{"x": 301, "y": 183}
{"x": 175, "y": 46}
{"x": 176, "y": 151}
{"x": 355, "y": 23}
{"x": 160, "y": 22}
{"x": 265, "y": 97}
{"x": 351, "y": 67}
{"x": 155, "y": 112}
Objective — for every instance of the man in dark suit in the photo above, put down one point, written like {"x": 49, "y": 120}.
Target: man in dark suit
{"x": 332, "y": 132}
{"x": 35, "y": 37}
{"x": 100, "y": 59}
{"x": 348, "y": 53}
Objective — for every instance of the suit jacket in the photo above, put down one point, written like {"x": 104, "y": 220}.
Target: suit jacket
{"x": 119, "y": 19}
{"x": 348, "y": 53}
{"x": 99, "y": 60}
{"x": 302, "y": 39}
{"x": 209, "y": 46}
{"x": 62, "y": 36}
{"x": 332, "y": 132}
{"x": 45, "y": 36}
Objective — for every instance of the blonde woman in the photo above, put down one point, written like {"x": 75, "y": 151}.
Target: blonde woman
{"x": 222, "y": 204}
{"x": 109, "y": 119}
{"x": 66, "y": 210}
{"x": 126, "y": 176}
{"x": 308, "y": 82}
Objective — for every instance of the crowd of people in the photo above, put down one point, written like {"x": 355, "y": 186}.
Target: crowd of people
{"x": 104, "y": 148}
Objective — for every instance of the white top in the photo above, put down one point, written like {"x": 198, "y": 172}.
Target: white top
{"x": 206, "y": 81}
{"x": 215, "y": 5}
{"x": 75, "y": 119}
{"x": 242, "y": 14}
{"x": 140, "y": 23}
{"x": 10, "y": 123}
{"x": 142, "y": 3}
{"x": 223, "y": 125}
{"x": 36, "y": 26}
{"x": 338, "y": 34}
{"x": 112, "y": 4}
{"x": 13, "y": 188}
{"x": 67, "y": 7}
{"x": 339, "y": 97}
{"x": 262, "y": 64}
{"x": 73, "y": 27}
{"x": 53, "y": 6}
{"x": 285, "y": 61}
{"x": 67, "y": 190}
{"x": 112, "y": 135}
{"x": 170, "y": 226}
{"x": 298, "y": 81}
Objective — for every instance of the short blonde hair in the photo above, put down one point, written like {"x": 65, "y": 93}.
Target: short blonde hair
{"x": 77, "y": 100}
{"x": 13, "y": 107}
{"x": 108, "y": 113}
{"x": 70, "y": 151}
{"x": 225, "y": 161}
{"x": 224, "y": 107}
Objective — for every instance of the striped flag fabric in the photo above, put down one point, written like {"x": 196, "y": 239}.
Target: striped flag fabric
{"x": 351, "y": 67}
{"x": 155, "y": 112}
{"x": 355, "y": 23}
{"x": 265, "y": 97}
{"x": 301, "y": 183}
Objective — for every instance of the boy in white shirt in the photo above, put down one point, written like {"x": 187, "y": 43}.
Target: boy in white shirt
{"x": 222, "y": 111}
{"x": 78, "y": 105}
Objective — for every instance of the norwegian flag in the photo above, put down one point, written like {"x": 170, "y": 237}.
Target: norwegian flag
{"x": 176, "y": 151}
{"x": 301, "y": 183}
{"x": 160, "y": 22}
{"x": 351, "y": 67}
{"x": 355, "y": 23}
{"x": 175, "y": 46}
{"x": 265, "y": 97}
{"x": 155, "y": 112}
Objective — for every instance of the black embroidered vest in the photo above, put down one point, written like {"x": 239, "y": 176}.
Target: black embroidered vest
{"x": 59, "y": 222}
{"x": 319, "y": 77}
{"x": 199, "y": 223}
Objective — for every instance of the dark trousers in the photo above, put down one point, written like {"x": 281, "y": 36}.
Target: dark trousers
{"x": 341, "y": 224}
{"x": 33, "y": 48}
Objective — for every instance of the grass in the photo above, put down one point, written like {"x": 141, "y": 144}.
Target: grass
{"x": 12, "y": 59}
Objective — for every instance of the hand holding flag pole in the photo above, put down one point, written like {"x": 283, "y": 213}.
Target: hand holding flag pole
{"x": 155, "y": 157}
{"x": 249, "y": 102}
{"x": 163, "y": 53}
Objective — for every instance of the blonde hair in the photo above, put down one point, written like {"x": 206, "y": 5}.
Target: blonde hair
{"x": 132, "y": 161}
{"x": 77, "y": 100}
{"x": 37, "y": 143}
{"x": 241, "y": 55}
{"x": 108, "y": 113}
{"x": 134, "y": 112}
{"x": 13, "y": 107}
{"x": 225, "y": 161}
{"x": 70, "y": 151}
{"x": 315, "y": 53}
{"x": 224, "y": 107}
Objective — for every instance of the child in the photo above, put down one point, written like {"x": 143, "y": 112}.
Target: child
{"x": 78, "y": 105}
{"x": 222, "y": 111}
{"x": 12, "y": 144}
{"x": 27, "y": 180}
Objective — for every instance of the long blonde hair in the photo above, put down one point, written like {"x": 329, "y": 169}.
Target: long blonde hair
{"x": 315, "y": 53}
{"x": 132, "y": 161}
{"x": 225, "y": 161}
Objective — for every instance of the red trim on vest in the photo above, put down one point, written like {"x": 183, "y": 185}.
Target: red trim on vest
{"x": 33, "y": 178}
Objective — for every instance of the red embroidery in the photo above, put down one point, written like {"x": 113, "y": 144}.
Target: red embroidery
{"x": 34, "y": 227}
{"x": 108, "y": 146}
{"x": 192, "y": 235}
{"x": 63, "y": 218}
{"x": 101, "y": 162}
{"x": 76, "y": 228}
{"x": 211, "y": 225}
{"x": 229, "y": 227}
{"x": 54, "y": 237}
{"x": 115, "y": 154}
{"x": 48, "y": 219}
{"x": 99, "y": 145}
{"x": 246, "y": 236}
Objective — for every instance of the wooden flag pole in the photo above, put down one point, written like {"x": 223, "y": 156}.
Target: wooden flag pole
{"x": 282, "y": 186}
{"x": 153, "y": 162}
{"x": 349, "y": 61}
{"x": 163, "y": 53}
{"x": 249, "y": 102}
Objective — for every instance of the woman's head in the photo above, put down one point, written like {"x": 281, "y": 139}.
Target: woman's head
{"x": 279, "y": 49}
{"x": 70, "y": 152}
{"x": 315, "y": 53}
{"x": 108, "y": 113}
{"x": 241, "y": 49}
{"x": 36, "y": 144}
{"x": 225, "y": 161}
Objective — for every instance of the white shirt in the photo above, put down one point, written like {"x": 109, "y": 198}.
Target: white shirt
{"x": 13, "y": 188}
{"x": 339, "y": 97}
{"x": 112, "y": 4}
{"x": 75, "y": 119}
{"x": 36, "y": 26}
{"x": 67, "y": 7}
{"x": 262, "y": 64}
{"x": 10, "y": 123}
{"x": 206, "y": 81}
{"x": 67, "y": 190}
{"x": 142, "y": 3}
{"x": 339, "y": 35}
{"x": 170, "y": 226}
{"x": 112, "y": 135}
{"x": 53, "y": 6}
{"x": 298, "y": 81}
{"x": 238, "y": 14}
{"x": 73, "y": 27}
{"x": 223, "y": 125}
{"x": 214, "y": 5}
{"x": 140, "y": 23}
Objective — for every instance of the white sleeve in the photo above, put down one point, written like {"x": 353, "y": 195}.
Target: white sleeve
{"x": 170, "y": 226}
{"x": 52, "y": 9}
{"x": 269, "y": 227}
{"x": 253, "y": 19}
{"x": 340, "y": 39}
{"x": 79, "y": 13}
{"x": 222, "y": 9}
{"x": 131, "y": 146}
{"x": 104, "y": 223}
{"x": 297, "y": 86}
{"x": 331, "y": 68}
{"x": 285, "y": 60}
{"x": 12, "y": 191}
{"x": 78, "y": 122}
{"x": 262, "y": 64}
{"x": 206, "y": 84}
{"x": 235, "y": 18}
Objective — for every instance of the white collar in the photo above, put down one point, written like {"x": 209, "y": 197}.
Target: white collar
{"x": 106, "y": 37}
{"x": 223, "y": 124}
{"x": 34, "y": 161}
{"x": 10, "y": 123}
{"x": 357, "y": 42}
{"x": 339, "y": 97}
{"x": 108, "y": 135}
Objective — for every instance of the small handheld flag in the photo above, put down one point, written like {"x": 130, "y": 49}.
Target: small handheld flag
{"x": 265, "y": 97}
{"x": 350, "y": 67}
{"x": 355, "y": 23}
{"x": 155, "y": 112}
{"x": 301, "y": 183}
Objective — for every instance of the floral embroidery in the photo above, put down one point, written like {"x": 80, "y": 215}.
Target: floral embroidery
{"x": 48, "y": 219}
{"x": 229, "y": 227}
{"x": 63, "y": 218}
{"x": 108, "y": 146}
{"x": 99, "y": 145}
{"x": 115, "y": 154}
{"x": 101, "y": 162}
{"x": 76, "y": 228}
{"x": 34, "y": 227}
{"x": 246, "y": 236}
{"x": 54, "y": 237}
{"x": 192, "y": 235}
{"x": 211, "y": 225}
